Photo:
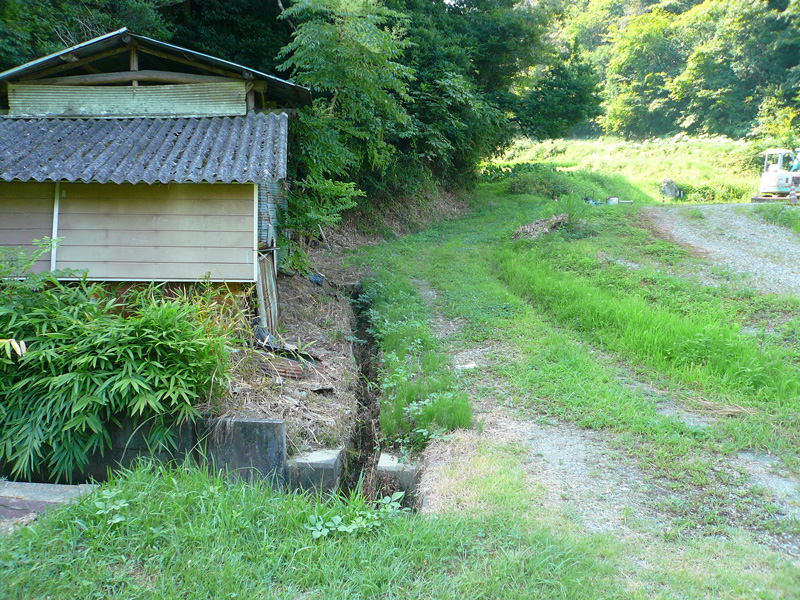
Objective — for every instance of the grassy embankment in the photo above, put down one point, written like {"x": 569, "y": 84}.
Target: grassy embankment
{"x": 708, "y": 170}
{"x": 572, "y": 318}
{"x": 779, "y": 214}
{"x": 567, "y": 322}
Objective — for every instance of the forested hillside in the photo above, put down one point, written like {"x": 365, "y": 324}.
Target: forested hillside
{"x": 415, "y": 94}
{"x": 715, "y": 66}
{"x": 409, "y": 94}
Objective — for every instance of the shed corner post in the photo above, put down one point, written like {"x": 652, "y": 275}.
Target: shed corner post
{"x": 54, "y": 234}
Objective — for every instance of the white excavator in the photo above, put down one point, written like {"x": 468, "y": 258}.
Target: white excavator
{"x": 781, "y": 175}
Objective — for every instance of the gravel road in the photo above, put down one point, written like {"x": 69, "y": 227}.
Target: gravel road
{"x": 769, "y": 255}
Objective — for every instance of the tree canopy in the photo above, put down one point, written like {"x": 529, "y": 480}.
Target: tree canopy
{"x": 408, "y": 93}
{"x": 699, "y": 66}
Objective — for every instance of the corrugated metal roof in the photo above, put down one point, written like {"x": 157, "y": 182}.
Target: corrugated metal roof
{"x": 285, "y": 89}
{"x": 249, "y": 149}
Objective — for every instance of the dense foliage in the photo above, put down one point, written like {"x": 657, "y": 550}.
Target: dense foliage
{"x": 32, "y": 28}
{"x": 409, "y": 94}
{"x": 700, "y": 66}
{"x": 90, "y": 361}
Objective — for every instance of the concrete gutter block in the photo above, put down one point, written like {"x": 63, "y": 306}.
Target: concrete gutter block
{"x": 405, "y": 474}
{"x": 21, "y": 502}
{"x": 253, "y": 449}
{"x": 44, "y": 492}
{"x": 320, "y": 470}
{"x": 129, "y": 443}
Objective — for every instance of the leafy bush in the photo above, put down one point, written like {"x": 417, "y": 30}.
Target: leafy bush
{"x": 529, "y": 178}
{"x": 544, "y": 183}
{"x": 720, "y": 192}
{"x": 92, "y": 360}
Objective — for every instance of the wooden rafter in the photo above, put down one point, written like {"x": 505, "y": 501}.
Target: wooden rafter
{"x": 73, "y": 64}
{"x": 192, "y": 63}
{"x": 128, "y": 76}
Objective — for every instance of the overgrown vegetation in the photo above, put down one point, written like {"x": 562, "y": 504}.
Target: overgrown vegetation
{"x": 706, "y": 169}
{"x": 779, "y": 214}
{"x": 701, "y": 347}
{"x": 158, "y": 532}
{"x": 408, "y": 94}
{"x": 419, "y": 394}
{"x": 567, "y": 309}
{"x": 92, "y": 358}
{"x": 699, "y": 66}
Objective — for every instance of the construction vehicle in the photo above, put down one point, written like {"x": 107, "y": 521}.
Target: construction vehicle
{"x": 781, "y": 175}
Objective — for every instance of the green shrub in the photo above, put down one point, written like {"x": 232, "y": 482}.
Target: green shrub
{"x": 719, "y": 192}
{"x": 90, "y": 361}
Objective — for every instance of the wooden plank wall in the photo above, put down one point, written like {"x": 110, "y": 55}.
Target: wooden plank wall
{"x": 26, "y": 214}
{"x": 269, "y": 290}
{"x": 176, "y": 232}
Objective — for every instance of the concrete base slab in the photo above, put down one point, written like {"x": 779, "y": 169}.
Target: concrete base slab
{"x": 320, "y": 470}
{"x": 404, "y": 474}
{"x": 20, "y": 503}
{"x": 253, "y": 449}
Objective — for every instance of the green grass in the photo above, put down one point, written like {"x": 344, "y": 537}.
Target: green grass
{"x": 568, "y": 310}
{"x": 702, "y": 348}
{"x": 708, "y": 170}
{"x": 567, "y": 326}
{"x": 779, "y": 214}
{"x": 419, "y": 398}
{"x": 181, "y": 533}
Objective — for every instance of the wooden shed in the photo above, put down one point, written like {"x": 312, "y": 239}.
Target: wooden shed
{"x": 149, "y": 162}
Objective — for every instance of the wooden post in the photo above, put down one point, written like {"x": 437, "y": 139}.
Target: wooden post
{"x": 54, "y": 234}
{"x": 134, "y": 64}
{"x": 251, "y": 97}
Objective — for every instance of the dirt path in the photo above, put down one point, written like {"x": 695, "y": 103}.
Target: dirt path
{"x": 767, "y": 255}
{"x": 587, "y": 477}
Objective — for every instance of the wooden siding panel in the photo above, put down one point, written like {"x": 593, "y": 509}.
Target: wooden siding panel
{"x": 153, "y": 254}
{"x": 182, "y": 100}
{"x": 157, "y": 191}
{"x": 163, "y": 233}
{"x": 155, "y": 238}
{"x": 166, "y": 271}
{"x": 141, "y": 223}
{"x": 26, "y": 214}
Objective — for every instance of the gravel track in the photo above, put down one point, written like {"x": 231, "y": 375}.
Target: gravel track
{"x": 768, "y": 255}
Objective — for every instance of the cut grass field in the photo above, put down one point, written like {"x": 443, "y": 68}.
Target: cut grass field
{"x": 593, "y": 328}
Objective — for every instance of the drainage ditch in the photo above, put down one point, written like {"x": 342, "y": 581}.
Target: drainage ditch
{"x": 375, "y": 474}
{"x": 362, "y": 468}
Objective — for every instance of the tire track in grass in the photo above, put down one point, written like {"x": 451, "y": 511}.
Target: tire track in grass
{"x": 592, "y": 475}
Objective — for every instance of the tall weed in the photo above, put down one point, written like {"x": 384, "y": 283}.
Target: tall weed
{"x": 779, "y": 214}
{"x": 698, "y": 348}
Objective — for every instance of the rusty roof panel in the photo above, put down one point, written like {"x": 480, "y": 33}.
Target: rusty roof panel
{"x": 249, "y": 149}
